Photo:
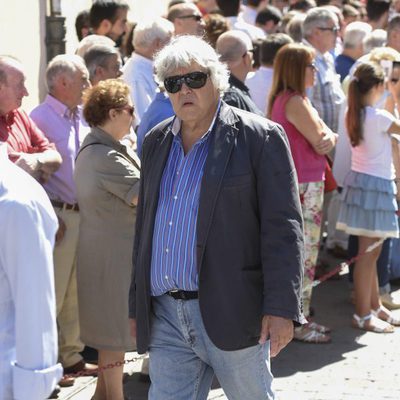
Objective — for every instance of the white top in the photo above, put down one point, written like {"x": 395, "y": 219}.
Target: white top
{"x": 28, "y": 333}
{"x": 342, "y": 160}
{"x": 249, "y": 15}
{"x": 259, "y": 83}
{"x": 138, "y": 74}
{"x": 239, "y": 24}
{"x": 373, "y": 155}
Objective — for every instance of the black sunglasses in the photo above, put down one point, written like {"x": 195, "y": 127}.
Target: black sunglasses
{"x": 194, "y": 80}
{"x": 129, "y": 109}
{"x": 197, "y": 17}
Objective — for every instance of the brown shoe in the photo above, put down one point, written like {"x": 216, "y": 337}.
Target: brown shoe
{"x": 81, "y": 366}
{"x": 66, "y": 381}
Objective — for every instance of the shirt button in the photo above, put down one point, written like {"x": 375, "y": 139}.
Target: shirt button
{"x": 166, "y": 250}
{"x": 166, "y": 277}
{"x": 170, "y": 223}
{"x": 175, "y": 197}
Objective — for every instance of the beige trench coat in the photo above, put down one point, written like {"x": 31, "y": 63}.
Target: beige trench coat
{"x": 107, "y": 179}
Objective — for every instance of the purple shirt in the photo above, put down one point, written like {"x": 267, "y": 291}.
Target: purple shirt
{"x": 66, "y": 130}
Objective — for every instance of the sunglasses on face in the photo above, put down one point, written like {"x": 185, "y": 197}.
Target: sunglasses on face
{"x": 312, "y": 66}
{"x": 196, "y": 17}
{"x": 194, "y": 80}
{"x": 129, "y": 109}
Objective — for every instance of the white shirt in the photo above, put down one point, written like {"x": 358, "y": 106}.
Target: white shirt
{"x": 249, "y": 15}
{"x": 28, "y": 333}
{"x": 373, "y": 155}
{"x": 259, "y": 83}
{"x": 239, "y": 24}
{"x": 138, "y": 74}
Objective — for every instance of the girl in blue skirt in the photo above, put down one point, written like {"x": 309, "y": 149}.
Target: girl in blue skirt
{"x": 369, "y": 204}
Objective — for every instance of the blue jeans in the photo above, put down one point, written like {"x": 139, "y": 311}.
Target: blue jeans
{"x": 183, "y": 359}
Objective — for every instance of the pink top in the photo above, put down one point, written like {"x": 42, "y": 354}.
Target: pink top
{"x": 310, "y": 166}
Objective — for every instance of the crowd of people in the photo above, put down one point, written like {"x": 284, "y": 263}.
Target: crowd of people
{"x": 177, "y": 183}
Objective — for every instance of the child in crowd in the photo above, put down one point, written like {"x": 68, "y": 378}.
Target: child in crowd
{"x": 369, "y": 205}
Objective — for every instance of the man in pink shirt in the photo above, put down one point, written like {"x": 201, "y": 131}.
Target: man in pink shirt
{"x": 27, "y": 146}
{"x": 59, "y": 117}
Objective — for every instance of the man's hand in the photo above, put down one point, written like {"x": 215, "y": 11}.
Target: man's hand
{"x": 61, "y": 230}
{"x": 28, "y": 162}
{"x": 279, "y": 330}
{"x": 132, "y": 323}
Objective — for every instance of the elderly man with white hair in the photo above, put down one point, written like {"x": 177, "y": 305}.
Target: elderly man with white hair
{"x": 149, "y": 37}
{"x": 218, "y": 253}
{"x": 103, "y": 62}
{"x": 320, "y": 30}
{"x": 353, "y": 47}
{"x": 59, "y": 117}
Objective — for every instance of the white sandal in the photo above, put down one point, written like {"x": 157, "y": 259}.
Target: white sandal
{"x": 388, "y": 318}
{"x": 375, "y": 324}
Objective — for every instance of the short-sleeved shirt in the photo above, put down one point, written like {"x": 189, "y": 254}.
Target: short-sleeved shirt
{"x": 373, "y": 155}
{"x": 22, "y": 135}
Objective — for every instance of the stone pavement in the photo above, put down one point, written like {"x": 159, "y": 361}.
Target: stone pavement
{"x": 356, "y": 366}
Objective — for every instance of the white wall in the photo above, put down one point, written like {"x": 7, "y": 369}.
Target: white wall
{"x": 22, "y": 35}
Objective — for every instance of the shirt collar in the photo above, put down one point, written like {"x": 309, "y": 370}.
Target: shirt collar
{"x": 233, "y": 81}
{"x": 176, "y": 124}
{"x": 8, "y": 118}
{"x": 60, "y": 108}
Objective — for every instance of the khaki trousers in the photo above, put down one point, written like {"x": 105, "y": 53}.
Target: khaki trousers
{"x": 65, "y": 253}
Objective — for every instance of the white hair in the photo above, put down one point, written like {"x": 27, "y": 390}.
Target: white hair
{"x": 147, "y": 32}
{"x": 185, "y": 50}
{"x": 355, "y": 34}
{"x": 92, "y": 40}
{"x": 318, "y": 17}
{"x": 63, "y": 64}
{"x": 376, "y": 38}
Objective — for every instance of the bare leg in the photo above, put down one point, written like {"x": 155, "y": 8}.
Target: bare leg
{"x": 365, "y": 278}
{"x": 112, "y": 378}
{"x": 100, "y": 393}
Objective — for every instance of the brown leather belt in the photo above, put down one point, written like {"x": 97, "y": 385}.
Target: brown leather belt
{"x": 65, "y": 206}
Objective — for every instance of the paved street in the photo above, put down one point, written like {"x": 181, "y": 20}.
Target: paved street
{"x": 356, "y": 365}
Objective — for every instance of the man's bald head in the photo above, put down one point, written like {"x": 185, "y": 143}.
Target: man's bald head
{"x": 8, "y": 64}
{"x": 187, "y": 19}
{"x": 232, "y": 45}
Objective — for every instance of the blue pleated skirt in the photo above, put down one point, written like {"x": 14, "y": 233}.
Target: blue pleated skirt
{"x": 368, "y": 206}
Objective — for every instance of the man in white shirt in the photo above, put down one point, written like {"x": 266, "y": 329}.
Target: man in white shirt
{"x": 28, "y": 334}
{"x": 138, "y": 72}
{"x": 260, "y": 81}
{"x": 230, "y": 10}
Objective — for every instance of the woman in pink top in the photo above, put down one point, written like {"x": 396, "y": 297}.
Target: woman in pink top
{"x": 310, "y": 139}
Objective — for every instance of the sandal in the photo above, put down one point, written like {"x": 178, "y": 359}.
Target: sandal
{"x": 307, "y": 335}
{"x": 385, "y": 315}
{"x": 371, "y": 323}
{"x": 318, "y": 327}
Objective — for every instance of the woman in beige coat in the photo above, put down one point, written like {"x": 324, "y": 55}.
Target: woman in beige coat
{"x": 107, "y": 179}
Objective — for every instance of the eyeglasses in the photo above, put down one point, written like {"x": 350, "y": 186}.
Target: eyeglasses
{"x": 196, "y": 17}
{"x": 312, "y": 66}
{"x": 194, "y": 80}
{"x": 252, "y": 51}
{"x": 334, "y": 29}
{"x": 129, "y": 109}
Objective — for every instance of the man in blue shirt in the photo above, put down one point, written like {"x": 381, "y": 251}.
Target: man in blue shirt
{"x": 219, "y": 249}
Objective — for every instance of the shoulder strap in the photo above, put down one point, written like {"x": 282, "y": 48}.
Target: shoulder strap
{"x": 84, "y": 147}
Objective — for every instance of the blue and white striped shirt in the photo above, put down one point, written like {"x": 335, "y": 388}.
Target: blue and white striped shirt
{"x": 327, "y": 94}
{"x": 173, "y": 261}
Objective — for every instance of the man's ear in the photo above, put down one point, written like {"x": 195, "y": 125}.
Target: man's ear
{"x": 104, "y": 27}
{"x": 99, "y": 72}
